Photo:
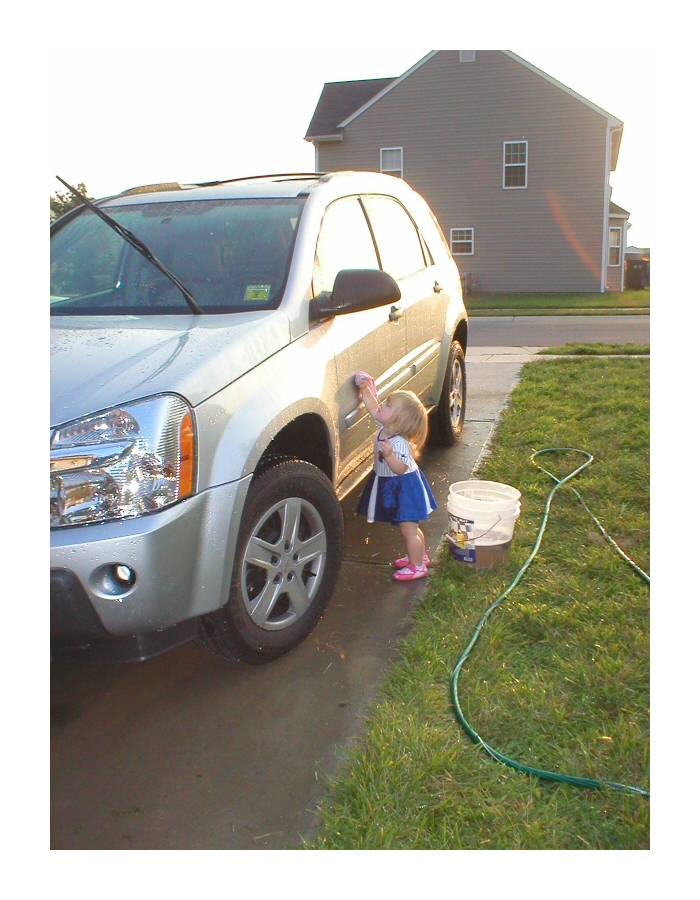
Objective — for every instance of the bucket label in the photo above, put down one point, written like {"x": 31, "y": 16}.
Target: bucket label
{"x": 467, "y": 554}
{"x": 460, "y": 536}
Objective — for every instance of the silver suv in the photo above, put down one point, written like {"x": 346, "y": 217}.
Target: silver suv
{"x": 205, "y": 418}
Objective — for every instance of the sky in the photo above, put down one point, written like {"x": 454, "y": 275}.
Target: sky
{"x": 212, "y": 107}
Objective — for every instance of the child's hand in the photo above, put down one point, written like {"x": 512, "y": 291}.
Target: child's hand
{"x": 387, "y": 448}
{"x": 361, "y": 379}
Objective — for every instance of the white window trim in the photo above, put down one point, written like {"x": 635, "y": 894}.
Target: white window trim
{"x": 452, "y": 231}
{"x": 516, "y": 187}
{"x": 612, "y": 246}
{"x": 381, "y": 151}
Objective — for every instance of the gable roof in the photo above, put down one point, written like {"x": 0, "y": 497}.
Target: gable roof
{"x": 338, "y": 100}
{"x": 341, "y": 102}
{"x": 618, "y": 211}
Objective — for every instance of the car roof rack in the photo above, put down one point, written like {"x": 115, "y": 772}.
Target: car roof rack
{"x": 289, "y": 175}
{"x": 151, "y": 188}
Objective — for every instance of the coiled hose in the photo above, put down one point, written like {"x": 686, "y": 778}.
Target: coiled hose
{"x": 500, "y": 757}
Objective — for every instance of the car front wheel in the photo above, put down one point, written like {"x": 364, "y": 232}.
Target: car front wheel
{"x": 288, "y": 555}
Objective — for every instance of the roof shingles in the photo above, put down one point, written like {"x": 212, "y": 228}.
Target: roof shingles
{"x": 338, "y": 100}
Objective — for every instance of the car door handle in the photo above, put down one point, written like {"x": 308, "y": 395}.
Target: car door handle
{"x": 395, "y": 313}
{"x": 437, "y": 288}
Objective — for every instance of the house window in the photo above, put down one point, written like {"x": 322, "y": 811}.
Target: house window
{"x": 515, "y": 164}
{"x": 615, "y": 247}
{"x": 391, "y": 161}
{"x": 462, "y": 241}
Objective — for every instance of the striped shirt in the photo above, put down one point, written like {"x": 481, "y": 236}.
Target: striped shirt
{"x": 402, "y": 451}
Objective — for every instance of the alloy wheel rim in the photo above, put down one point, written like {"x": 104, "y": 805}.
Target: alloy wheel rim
{"x": 283, "y": 564}
{"x": 456, "y": 394}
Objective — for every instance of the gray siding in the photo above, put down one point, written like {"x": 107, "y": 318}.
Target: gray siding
{"x": 613, "y": 281}
{"x": 451, "y": 119}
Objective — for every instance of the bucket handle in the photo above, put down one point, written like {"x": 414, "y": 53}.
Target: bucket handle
{"x": 478, "y": 537}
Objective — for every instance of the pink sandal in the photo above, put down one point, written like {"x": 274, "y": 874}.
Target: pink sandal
{"x": 405, "y": 561}
{"x": 411, "y": 573}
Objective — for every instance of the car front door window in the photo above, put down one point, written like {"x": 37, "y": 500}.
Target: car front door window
{"x": 345, "y": 242}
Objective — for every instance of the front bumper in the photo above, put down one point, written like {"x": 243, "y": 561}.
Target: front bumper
{"x": 182, "y": 558}
{"x": 78, "y": 633}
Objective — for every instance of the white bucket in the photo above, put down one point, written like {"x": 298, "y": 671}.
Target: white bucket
{"x": 484, "y": 495}
{"x": 482, "y": 516}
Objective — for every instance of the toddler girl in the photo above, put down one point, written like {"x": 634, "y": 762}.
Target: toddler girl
{"x": 397, "y": 490}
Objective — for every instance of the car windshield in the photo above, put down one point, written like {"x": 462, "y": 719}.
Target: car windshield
{"x": 232, "y": 255}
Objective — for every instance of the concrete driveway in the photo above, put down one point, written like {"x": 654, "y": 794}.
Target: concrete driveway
{"x": 187, "y": 751}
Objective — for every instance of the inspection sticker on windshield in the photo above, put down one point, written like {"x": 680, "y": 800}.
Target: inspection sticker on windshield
{"x": 257, "y": 293}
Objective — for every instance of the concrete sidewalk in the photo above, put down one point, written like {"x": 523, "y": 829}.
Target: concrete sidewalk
{"x": 502, "y": 354}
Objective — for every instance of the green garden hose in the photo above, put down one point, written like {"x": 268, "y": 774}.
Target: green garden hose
{"x": 500, "y": 757}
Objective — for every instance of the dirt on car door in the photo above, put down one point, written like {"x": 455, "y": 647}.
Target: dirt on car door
{"x": 372, "y": 340}
{"x": 404, "y": 254}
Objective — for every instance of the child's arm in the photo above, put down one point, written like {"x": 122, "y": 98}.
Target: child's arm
{"x": 397, "y": 466}
{"x": 369, "y": 400}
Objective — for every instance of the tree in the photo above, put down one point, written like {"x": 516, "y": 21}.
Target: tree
{"x": 62, "y": 201}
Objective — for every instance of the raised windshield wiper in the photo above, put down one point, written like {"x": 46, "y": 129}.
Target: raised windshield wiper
{"x": 137, "y": 244}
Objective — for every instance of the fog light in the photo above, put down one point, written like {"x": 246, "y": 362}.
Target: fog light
{"x": 124, "y": 574}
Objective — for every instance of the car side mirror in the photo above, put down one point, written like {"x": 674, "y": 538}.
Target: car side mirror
{"x": 357, "y": 289}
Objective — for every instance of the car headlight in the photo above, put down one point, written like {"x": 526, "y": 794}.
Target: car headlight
{"x": 134, "y": 459}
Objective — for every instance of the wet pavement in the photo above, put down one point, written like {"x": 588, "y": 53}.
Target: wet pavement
{"x": 187, "y": 751}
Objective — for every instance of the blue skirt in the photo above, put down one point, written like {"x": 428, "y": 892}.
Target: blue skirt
{"x": 398, "y": 498}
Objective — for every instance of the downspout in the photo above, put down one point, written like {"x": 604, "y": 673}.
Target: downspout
{"x": 316, "y": 157}
{"x": 606, "y": 210}
{"x": 625, "y": 226}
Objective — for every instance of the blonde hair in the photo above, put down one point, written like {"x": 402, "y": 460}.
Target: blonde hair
{"x": 409, "y": 418}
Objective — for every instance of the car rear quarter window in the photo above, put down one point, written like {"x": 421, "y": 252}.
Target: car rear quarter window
{"x": 400, "y": 249}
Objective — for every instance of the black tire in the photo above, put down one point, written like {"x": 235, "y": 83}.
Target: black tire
{"x": 447, "y": 419}
{"x": 288, "y": 556}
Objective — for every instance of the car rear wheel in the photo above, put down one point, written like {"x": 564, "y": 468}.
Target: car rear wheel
{"x": 447, "y": 419}
{"x": 288, "y": 555}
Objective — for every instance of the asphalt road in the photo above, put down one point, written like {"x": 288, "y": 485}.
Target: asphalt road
{"x": 552, "y": 331}
{"x": 187, "y": 751}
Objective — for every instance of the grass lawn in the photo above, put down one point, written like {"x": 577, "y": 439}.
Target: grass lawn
{"x": 559, "y": 678}
{"x": 599, "y": 349}
{"x": 625, "y": 302}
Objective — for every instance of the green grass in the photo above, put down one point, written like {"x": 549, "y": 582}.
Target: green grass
{"x": 628, "y": 302}
{"x": 559, "y": 678}
{"x": 599, "y": 349}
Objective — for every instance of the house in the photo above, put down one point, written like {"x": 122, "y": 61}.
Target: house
{"x": 514, "y": 163}
{"x": 617, "y": 247}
